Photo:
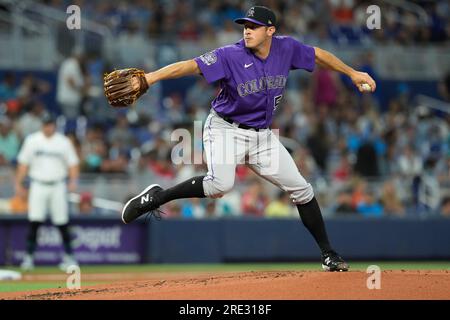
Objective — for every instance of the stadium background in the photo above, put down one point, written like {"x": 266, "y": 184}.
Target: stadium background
{"x": 379, "y": 163}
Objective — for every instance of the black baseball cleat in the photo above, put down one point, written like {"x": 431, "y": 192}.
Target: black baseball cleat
{"x": 331, "y": 261}
{"x": 142, "y": 203}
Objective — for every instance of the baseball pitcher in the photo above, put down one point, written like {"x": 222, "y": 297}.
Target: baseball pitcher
{"x": 252, "y": 74}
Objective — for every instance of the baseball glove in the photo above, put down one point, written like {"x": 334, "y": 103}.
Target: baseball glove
{"x": 119, "y": 89}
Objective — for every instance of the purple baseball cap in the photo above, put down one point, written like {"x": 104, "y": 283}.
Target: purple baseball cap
{"x": 259, "y": 15}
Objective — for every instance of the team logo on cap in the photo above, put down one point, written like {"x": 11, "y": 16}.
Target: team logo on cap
{"x": 251, "y": 12}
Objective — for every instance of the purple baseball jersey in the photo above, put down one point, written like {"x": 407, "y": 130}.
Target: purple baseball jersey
{"x": 251, "y": 88}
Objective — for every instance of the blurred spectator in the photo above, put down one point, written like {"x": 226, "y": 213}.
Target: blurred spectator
{"x": 129, "y": 44}
{"x": 429, "y": 191}
{"x": 305, "y": 163}
{"x": 161, "y": 164}
{"x": 86, "y": 207}
{"x": 344, "y": 203}
{"x": 94, "y": 105}
{"x": 121, "y": 135}
{"x": 444, "y": 86}
{"x": 171, "y": 210}
{"x": 175, "y": 109}
{"x": 445, "y": 207}
{"x": 31, "y": 121}
{"x": 229, "y": 205}
{"x": 390, "y": 200}
{"x": 243, "y": 173}
{"x": 410, "y": 168}
{"x": 319, "y": 145}
{"x": 299, "y": 17}
{"x": 9, "y": 101}
{"x": 31, "y": 89}
{"x": 71, "y": 86}
{"x": 200, "y": 94}
{"x": 228, "y": 34}
{"x": 409, "y": 163}
{"x": 254, "y": 200}
{"x": 9, "y": 142}
{"x": 343, "y": 21}
{"x": 210, "y": 211}
{"x": 189, "y": 32}
{"x": 343, "y": 171}
{"x": 359, "y": 193}
{"x": 403, "y": 97}
{"x": 370, "y": 207}
{"x": 116, "y": 161}
{"x": 193, "y": 208}
{"x": 18, "y": 204}
{"x": 342, "y": 10}
{"x": 366, "y": 160}
{"x": 280, "y": 207}
{"x": 325, "y": 88}
{"x": 93, "y": 150}
{"x": 76, "y": 143}
{"x": 389, "y": 163}
{"x": 7, "y": 87}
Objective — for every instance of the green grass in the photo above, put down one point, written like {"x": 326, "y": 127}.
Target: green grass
{"x": 12, "y": 286}
{"x": 390, "y": 265}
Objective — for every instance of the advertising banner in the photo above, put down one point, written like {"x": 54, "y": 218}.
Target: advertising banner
{"x": 2, "y": 245}
{"x": 94, "y": 242}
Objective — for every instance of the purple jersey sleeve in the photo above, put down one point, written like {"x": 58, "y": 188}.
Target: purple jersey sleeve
{"x": 213, "y": 65}
{"x": 303, "y": 56}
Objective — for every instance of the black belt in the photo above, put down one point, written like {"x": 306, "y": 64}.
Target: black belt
{"x": 240, "y": 125}
{"x": 47, "y": 183}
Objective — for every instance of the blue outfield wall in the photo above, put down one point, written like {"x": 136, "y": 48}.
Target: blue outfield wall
{"x": 194, "y": 241}
{"x": 108, "y": 240}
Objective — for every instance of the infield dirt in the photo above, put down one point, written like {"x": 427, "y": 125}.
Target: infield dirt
{"x": 257, "y": 285}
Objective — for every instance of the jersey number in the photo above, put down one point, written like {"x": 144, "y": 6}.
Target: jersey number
{"x": 276, "y": 102}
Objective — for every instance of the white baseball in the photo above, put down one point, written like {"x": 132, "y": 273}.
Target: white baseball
{"x": 365, "y": 87}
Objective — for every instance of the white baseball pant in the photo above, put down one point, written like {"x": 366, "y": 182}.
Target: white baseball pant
{"x": 48, "y": 198}
{"x": 226, "y": 145}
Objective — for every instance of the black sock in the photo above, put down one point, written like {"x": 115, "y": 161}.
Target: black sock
{"x": 313, "y": 221}
{"x": 65, "y": 235}
{"x": 32, "y": 237}
{"x": 191, "y": 188}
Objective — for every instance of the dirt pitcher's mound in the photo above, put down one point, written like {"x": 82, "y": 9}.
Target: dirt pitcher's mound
{"x": 273, "y": 285}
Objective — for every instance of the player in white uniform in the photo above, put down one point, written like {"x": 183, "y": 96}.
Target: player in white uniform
{"x": 48, "y": 157}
